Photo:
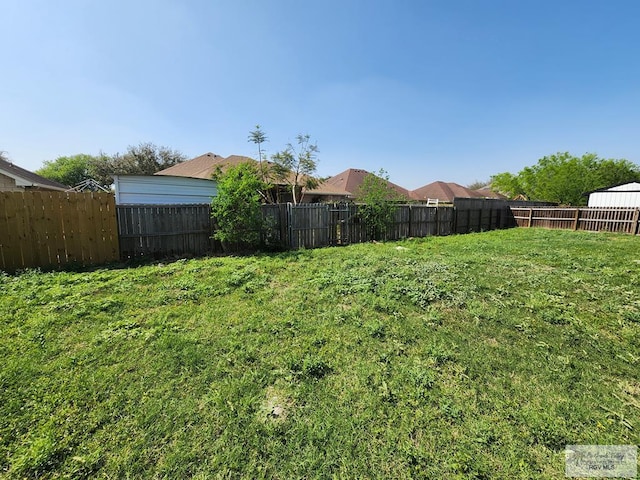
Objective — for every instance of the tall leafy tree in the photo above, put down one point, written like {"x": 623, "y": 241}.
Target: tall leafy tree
{"x": 377, "y": 200}
{"x": 507, "y": 184}
{"x": 296, "y": 166}
{"x": 564, "y": 178}
{"x": 236, "y": 208}
{"x": 258, "y": 137}
{"x": 142, "y": 159}
{"x": 68, "y": 170}
{"x": 615, "y": 172}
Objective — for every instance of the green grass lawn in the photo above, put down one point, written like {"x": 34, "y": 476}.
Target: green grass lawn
{"x": 471, "y": 356}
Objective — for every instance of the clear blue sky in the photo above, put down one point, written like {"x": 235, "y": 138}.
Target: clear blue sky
{"x": 453, "y": 90}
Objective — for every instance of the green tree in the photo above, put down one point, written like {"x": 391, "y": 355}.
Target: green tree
{"x": 507, "y": 184}
{"x": 68, "y": 170}
{"x": 615, "y": 172}
{"x": 377, "y": 198}
{"x": 236, "y": 208}
{"x": 296, "y": 166}
{"x": 564, "y": 178}
{"x": 142, "y": 159}
{"x": 258, "y": 137}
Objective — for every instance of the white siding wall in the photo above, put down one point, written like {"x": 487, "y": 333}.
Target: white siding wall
{"x": 627, "y": 195}
{"x": 8, "y": 184}
{"x": 162, "y": 190}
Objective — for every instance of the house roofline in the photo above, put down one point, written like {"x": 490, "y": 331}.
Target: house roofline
{"x": 25, "y": 178}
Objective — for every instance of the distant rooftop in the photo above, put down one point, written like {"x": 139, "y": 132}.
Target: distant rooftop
{"x": 444, "y": 192}
{"x": 25, "y": 178}
{"x": 348, "y": 184}
{"x": 206, "y": 165}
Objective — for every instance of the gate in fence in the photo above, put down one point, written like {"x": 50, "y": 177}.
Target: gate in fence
{"x": 342, "y": 219}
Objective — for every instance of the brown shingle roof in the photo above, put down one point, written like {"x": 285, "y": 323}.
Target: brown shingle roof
{"x": 34, "y": 179}
{"x": 348, "y": 184}
{"x": 203, "y": 166}
{"x": 206, "y": 165}
{"x": 486, "y": 192}
{"x": 444, "y": 192}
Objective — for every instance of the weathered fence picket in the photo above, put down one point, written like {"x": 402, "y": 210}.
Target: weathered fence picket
{"x": 162, "y": 230}
{"x": 319, "y": 225}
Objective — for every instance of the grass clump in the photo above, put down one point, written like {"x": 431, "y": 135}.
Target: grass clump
{"x": 475, "y": 356}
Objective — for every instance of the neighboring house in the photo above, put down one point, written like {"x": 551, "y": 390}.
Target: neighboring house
{"x": 163, "y": 190}
{"x": 620, "y": 196}
{"x": 16, "y": 179}
{"x": 205, "y": 166}
{"x": 346, "y": 186}
{"x": 443, "y": 192}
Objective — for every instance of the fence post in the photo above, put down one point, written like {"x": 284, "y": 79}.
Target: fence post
{"x": 576, "y": 217}
{"x": 635, "y": 225}
{"x": 290, "y": 225}
{"x": 454, "y": 219}
{"x": 530, "y": 218}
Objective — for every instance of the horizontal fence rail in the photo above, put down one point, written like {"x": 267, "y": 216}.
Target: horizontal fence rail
{"x": 619, "y": 220}
{"x": 54, "y": 229}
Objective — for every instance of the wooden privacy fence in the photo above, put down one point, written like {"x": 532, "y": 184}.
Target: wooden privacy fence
{"x": 162, "y": 230}
{"x": 481, "y": 214}
{"x": 621, "y": 220}
{"x": 321, "y": 224}
{"x": 53, "y": 229}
